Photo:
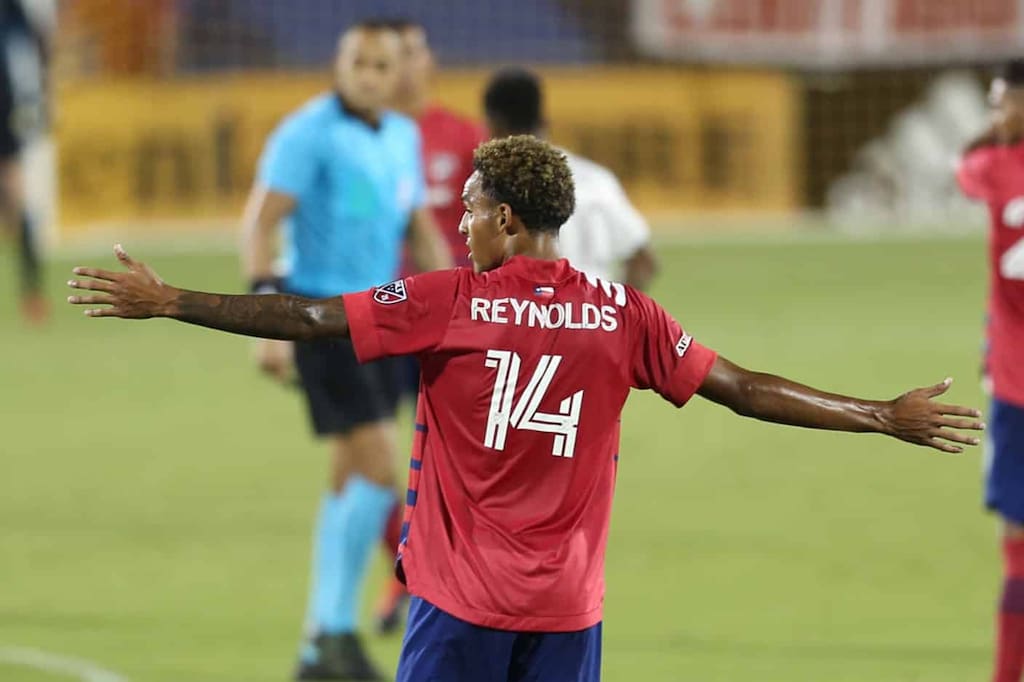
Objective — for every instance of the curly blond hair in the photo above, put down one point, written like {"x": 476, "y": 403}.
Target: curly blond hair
{"x": 529, "y": 175}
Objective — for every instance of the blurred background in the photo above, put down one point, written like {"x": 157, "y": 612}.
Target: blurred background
{"x": 794, "y": 158}
{"x": 854, "y": 109}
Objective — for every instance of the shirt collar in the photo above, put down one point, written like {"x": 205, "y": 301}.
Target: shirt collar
{"x": 348, "y": 112}
{"x": 539, "y": 270}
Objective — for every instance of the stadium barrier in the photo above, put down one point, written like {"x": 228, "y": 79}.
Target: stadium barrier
{"x": 148, "y": 154}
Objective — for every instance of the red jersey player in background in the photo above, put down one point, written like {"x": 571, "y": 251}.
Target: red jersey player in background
{"x": 448, "y": 138}
{"x": 992, "y": 170}
{"x": 527, "y": 364}
{"x": 448, "y": 141}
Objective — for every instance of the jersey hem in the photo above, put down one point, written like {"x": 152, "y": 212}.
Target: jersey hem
{"x": 1011, "y": 398}
{"x": 497, "y": 621}
{"x": 502, "y": 621}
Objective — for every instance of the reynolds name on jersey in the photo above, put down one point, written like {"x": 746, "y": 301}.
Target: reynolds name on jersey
{"x": 527, "y": 313}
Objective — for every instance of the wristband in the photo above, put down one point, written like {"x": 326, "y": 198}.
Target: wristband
{"x": 265, "y": 285}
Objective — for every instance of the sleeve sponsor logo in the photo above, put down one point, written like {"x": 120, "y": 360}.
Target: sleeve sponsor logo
{"x": 391, "y": 293}
{"x": 683, "y": 344}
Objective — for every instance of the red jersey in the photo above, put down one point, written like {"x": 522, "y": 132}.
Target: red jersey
{"x": 995, "y": 175}
{"x": 448, "y": 144}
{"x": 525, "y": 370}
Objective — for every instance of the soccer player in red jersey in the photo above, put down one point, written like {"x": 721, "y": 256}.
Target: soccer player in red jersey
{"x": 448, "y": 141}
{"x": 527, "y": 364}
{"x": 992, "y": 170}
{"x": 448, "y": 138}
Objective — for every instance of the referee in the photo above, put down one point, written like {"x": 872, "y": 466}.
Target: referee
{"x": 345, "y": 176}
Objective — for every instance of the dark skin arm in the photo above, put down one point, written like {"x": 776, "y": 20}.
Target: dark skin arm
{"x": 914, "y": 417}
{"x": 139, "y": 293}
{"x": 640, "y": 268}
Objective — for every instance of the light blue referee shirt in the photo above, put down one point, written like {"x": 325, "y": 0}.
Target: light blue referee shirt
{"x": 355, "y": 188}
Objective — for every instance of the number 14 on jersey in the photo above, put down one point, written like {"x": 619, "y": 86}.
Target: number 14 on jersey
{"x": 525, "y": 414}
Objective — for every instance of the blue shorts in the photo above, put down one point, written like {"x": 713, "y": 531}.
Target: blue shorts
{"x": 1004, "y": 461}
{"x": 439, "y": 647}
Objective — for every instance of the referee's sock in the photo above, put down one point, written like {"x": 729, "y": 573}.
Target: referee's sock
{"x": 1010, "y": 644}
{"x": 327, "y": 566}
{"x": 362, "y": 512}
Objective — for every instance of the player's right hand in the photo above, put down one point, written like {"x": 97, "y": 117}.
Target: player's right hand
{"x": 276, "y": 359}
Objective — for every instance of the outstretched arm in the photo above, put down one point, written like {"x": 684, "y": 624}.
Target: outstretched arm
{"x": 913, "y": 417}
{"x": 139, "y": 293}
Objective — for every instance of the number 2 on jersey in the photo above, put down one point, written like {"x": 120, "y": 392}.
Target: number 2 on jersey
{"x": 524, "y": 415}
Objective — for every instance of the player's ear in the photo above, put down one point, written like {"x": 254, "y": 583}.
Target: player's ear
{"x": 504, "y": 216}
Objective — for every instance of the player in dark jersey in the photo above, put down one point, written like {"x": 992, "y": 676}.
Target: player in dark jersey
{"x": 992, "y": 171}
{"x": 527, "y": 364}
{"x": 24, "y": 37}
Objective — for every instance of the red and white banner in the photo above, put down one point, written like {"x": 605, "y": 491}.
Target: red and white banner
{"x": 823, "y": 33}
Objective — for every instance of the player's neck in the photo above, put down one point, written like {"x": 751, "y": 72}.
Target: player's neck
{"x": 413, "y": 106}
{"x": 542, "y": 246}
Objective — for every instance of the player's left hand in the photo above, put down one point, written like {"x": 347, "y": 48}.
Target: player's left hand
{"x": 915, "y": 417}
{"x": 137, "y": 294}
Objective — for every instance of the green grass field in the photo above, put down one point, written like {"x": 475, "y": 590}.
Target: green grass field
{"x": 156, "y": 494}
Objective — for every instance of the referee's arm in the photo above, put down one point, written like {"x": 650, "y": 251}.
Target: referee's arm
{"x": 264, "y": 212}
{"x": 428, "y": 249}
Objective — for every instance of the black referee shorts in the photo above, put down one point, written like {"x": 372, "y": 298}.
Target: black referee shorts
{"x": 341, "y": 393}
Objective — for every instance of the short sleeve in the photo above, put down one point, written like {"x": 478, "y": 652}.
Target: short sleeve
{"x": 973, "y": 173}
{"x": 404, "y": 317}
{"x": 290, "y": 158}
{"x": 666, "y": 359}
{"x": 630, "y": 230}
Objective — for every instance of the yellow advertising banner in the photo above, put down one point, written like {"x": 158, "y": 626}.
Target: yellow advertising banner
{"x": 184, "y": 151}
